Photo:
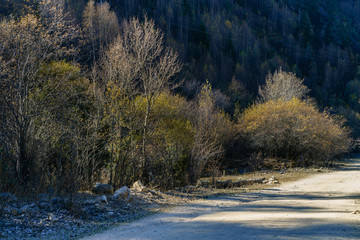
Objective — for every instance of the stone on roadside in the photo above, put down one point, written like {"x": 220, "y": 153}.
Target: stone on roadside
{"x": 102, "y": 188}
{"x": 51, "y": 217}
{"x": 123, "y": 193}
{"x": 272, "y": 180}
{"x": 139, "y": 187}
{"x": 103, "y": 199}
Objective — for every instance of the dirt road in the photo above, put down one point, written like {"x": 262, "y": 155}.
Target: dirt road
{"x": 319, "y": 207}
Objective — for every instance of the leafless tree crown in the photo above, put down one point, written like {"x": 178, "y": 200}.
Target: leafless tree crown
{"x": 282, "y": 85}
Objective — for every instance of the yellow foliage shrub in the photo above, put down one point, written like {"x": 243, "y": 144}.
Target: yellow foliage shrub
{"x": 294, "y": 130}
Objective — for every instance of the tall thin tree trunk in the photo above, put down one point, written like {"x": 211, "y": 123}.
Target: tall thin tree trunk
{"x": 146, "y": 164}
{"x": 58, "y": 167}
{"x": 23, "y": 159}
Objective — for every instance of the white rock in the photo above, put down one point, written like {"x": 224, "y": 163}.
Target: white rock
{"x": 272, "y": 178}
{"x": 104, "y": 199}
{"x": 51, "y": 216}
{"x": 139, "y": 187}
{"x": 123, "y": 193}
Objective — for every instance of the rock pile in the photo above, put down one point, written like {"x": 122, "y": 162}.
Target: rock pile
{"x": 61, "y": 217}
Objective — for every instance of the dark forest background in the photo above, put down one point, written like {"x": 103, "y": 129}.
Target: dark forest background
{"x": 245, "y": 40}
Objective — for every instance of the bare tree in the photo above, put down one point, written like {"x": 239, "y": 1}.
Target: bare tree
{"x": 101, "y": 27}
{"x": 27, "y": 44}
{"x": 282, "y": 85}
{"x": 139, "y": 65}
{"x": 213, "y": 131}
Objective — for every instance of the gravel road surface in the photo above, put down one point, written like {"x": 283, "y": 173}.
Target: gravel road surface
{"x": 319, "y": 207}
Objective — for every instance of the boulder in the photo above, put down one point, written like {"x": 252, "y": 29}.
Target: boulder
{"x": 102, "y": 188}
{"x": 123, "y": 193}
{"x": 139, "y": 187}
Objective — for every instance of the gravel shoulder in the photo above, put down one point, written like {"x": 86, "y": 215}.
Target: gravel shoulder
{"x": 322, "y": 206}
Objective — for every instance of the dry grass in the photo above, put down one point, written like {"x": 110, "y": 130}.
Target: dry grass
{"x": 289, "y": 175}
{"x": 186, "y": 194}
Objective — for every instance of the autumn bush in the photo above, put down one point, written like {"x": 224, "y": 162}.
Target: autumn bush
{"x": 171, "y": 137}
{"x": 294, "y": 130}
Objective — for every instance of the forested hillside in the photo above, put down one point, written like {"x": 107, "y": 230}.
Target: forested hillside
{"x": 169, "y": 91}
{"x": 245, "y": 40}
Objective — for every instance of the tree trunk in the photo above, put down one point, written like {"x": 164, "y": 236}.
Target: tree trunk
{"x": 146, "y": 163}
{"x": 23, "y": 160}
